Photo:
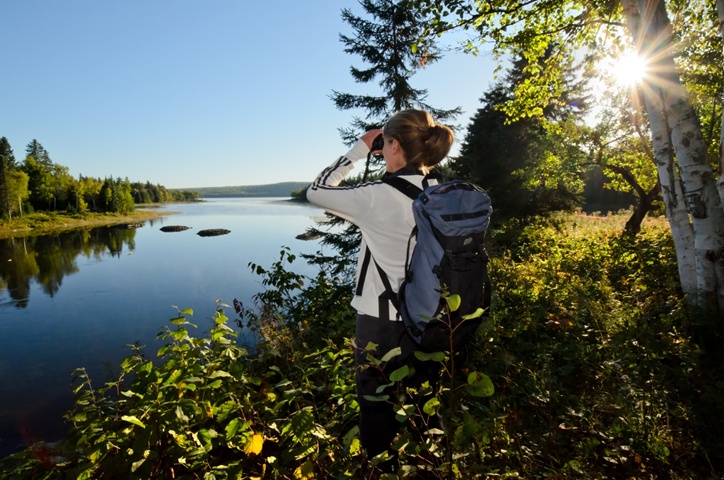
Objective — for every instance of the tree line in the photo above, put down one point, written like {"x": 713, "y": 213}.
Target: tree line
{"x": 38, "y": 184}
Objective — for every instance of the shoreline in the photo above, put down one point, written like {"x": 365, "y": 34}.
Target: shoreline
{"x": 48, "y": 224}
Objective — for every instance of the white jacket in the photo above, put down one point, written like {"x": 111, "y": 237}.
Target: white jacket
{"x": 383, "y": 215}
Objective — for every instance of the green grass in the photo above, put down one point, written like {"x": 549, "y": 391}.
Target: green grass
{"x": 44, "y": 223}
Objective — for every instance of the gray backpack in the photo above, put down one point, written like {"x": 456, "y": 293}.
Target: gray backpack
{"x": 449, "y": 256}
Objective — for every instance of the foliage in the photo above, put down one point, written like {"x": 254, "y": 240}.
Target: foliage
{"x": 593, "y": 369}
{"x": 534, "y": 163}
{"x": 596, "y": 365}
{"x": 116, "y": 196}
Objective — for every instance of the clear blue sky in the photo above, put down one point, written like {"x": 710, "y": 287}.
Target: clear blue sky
{"x": 192, "y": 93}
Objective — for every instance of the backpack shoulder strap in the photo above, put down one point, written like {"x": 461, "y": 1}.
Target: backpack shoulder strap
{"x": 412, "y": 191}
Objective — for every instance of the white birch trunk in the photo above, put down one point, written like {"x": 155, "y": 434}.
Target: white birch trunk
{"x": 674, "y": 201}
{"x": 677, "y": 212}
{"x": 675, "y": 131}
{"x": 720, "y": 181}
{"x": 705, "y": 205}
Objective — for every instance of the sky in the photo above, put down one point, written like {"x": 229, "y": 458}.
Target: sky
{"x": 193, "y": 93}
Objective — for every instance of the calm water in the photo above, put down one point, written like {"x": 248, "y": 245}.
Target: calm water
{"x": 78, "y": 298}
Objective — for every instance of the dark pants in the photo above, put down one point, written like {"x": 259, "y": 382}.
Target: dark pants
{"x": 378, "y": 425}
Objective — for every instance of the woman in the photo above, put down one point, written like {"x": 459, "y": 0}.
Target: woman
{"x": 413, "y": 144}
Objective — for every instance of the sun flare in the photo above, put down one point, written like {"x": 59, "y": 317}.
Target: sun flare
{"x": 629, "y": 69}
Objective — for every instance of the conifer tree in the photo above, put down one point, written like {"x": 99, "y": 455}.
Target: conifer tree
{"x": 386, "y": 39}
{"x": 35, "y": 149}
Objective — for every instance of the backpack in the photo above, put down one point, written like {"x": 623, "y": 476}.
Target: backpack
{"x": 449, "y": 255}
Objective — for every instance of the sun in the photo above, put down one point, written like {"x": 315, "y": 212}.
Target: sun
{"x": 629, "y": 69}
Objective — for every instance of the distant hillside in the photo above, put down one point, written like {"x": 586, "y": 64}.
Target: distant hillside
{"x": 283, "y": 189}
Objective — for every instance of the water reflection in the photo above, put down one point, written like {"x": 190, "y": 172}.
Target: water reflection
{"x": 48, "y": 259}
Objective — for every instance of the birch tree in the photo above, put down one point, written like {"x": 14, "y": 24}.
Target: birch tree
{"x": 689, "y": 186}
{"x": 720, "y": 16}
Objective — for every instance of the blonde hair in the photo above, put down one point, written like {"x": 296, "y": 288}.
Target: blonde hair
{"x": 424, "y": 142}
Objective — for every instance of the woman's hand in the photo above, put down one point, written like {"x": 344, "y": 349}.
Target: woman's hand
{"x": 369, "y": 137}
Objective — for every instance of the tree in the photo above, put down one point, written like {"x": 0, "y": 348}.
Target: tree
{"x": 679, "y": 146}
{"x": 91, "y": 190}
{"x": 384, "y": 41}
{"x": 40, "y": 183}
{"x": 18, "y": 191}
{"x": 35, "y": 149}
{"x": 619, "y": 144}
{"x": 7, "y": 165}
{"x": 116, "y": 196}
{"x": 531, "y": 164}
{"x": 75, "y": 197}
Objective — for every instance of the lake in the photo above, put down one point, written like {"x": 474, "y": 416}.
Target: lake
{"x": 77, "y": 299}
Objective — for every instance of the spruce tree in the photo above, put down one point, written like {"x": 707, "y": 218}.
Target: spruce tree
{"x": 35, "y": 149}
{"x": 387, "y": 39}
{"x": 384, "y": 40}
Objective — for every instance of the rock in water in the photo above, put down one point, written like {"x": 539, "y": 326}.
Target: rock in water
{"x": 174, "y": 228}
{"x": 213, "y": 232}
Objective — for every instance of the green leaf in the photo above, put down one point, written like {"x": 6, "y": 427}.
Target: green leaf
{"x": 382, "y": 388}
{"x": 175, "y": 375}
{"x": 392, "y": 354}
{"x": 477, "y": 313}
{"x": 434, "y": 356}
{"x": 302, "y": 423}
{"x": 432, "y": 406}
{"x": 215, "y": 384}
{"x": 400, "y": 373}
{"x": 180, "y": 414}
{"x": 351, "y": 436}
{"x": 233, "y": 428}
{"x": 453, "y": 302}
{"x": 206, "y": 436}
{"x": 146, "y": 367}
{"x": 135, "y": 465}
{"x": 380, "y": 398}
{"x": 466, "y": 432}
{"x": 405, "y": 412}
{"x": 423, "y": 356}
{"x": 480, "y": 385}
{"x": 134, "y": 420}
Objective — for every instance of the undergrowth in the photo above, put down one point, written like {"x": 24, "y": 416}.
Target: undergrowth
{"x": 593, "y": 368}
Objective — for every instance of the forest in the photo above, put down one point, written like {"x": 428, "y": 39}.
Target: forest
{"x": 37, "y": 184}
{"x": 601, "y": 357}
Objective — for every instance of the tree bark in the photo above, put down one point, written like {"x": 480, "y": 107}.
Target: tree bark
{"x": 720, "y": 181}
{"x": 642, "y": 208}
{"x": 705, "y": 206}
